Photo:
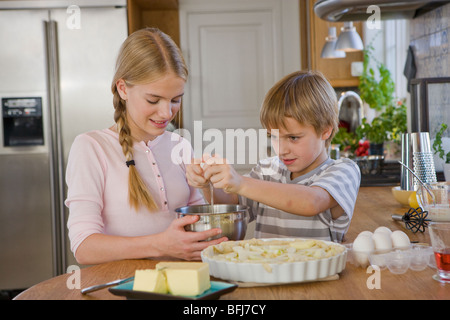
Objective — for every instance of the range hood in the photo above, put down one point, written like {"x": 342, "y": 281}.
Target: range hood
{"x": 356, "y": 10}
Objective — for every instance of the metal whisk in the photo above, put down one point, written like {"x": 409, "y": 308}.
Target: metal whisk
{"x": 415, "y": 219}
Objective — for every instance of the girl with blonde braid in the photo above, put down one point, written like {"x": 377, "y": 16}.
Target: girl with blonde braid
{"x": 123, "y": 186}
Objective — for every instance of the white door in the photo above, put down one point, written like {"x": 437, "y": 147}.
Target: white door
{"x": 236, "y": 51}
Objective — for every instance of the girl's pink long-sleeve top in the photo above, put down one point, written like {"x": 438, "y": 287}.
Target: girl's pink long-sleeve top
{"x": 97, "y": 180}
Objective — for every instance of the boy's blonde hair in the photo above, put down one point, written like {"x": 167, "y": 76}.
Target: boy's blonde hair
{"x": 307, "y": 97}
{"x": 147, "y": 55}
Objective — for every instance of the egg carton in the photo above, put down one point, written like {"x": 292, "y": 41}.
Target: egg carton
{"x": 416, "y": 257}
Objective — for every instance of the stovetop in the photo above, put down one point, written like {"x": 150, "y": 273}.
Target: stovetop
{"x": 389, "y": 176}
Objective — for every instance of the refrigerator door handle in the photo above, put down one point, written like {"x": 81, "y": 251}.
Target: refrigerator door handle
{"x": 56, "y": 152}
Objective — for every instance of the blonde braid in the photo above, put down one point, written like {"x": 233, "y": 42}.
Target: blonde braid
{"x": 145, "y": 56}
{"x": 138, "y": 193}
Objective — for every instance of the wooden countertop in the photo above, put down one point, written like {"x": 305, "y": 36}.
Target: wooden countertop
{"x": 374, "y": 208}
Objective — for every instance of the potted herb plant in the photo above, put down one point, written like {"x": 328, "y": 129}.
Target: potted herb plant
{"x": 376, "y": 93}
{"x": 375, "y": 133}
{"x": 346, "y": 140}
{"x": 439, "y": 150}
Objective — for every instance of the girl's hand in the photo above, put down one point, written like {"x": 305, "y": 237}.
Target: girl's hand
{"x": 179, "y": 243}
{"x": 195, "y": 174}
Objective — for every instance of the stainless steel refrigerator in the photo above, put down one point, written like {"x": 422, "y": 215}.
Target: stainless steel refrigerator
{"x": 56, "y": 65}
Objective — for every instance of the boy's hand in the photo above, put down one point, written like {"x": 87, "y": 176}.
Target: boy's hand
{"x": 221, "y": 174}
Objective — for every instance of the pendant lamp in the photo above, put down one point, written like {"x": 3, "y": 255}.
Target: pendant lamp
{"x": 329, "y": 49}
{"x": 349, "y": 40}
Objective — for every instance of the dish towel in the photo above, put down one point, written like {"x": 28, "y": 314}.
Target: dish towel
{"x": 410, "y": 67}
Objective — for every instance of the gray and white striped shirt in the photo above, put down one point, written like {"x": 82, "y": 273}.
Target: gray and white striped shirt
{"x": 341, "y": 178}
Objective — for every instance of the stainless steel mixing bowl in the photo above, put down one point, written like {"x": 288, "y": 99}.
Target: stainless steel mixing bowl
{"x": 231, "y": 219}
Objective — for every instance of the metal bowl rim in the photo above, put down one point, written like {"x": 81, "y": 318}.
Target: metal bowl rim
{"x": 234, "y": 208}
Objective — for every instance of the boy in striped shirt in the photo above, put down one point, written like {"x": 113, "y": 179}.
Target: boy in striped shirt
{"x": 301, "y": 192}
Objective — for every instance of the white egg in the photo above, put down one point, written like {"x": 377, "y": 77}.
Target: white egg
{"x": 384, "y": 230}
{"x": 362, "y": 246}
{"x": 363, "y": 243}
{"x": 365, "y": 233}
{"x": 382, "y": 241}
{"x": 400, "y": 239}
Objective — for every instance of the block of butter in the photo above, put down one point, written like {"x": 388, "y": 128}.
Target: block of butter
{"x": 150, "y": 280}
{"x": 186, "y": 278}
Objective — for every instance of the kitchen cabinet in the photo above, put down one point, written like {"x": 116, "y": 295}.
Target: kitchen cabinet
{"x": 338, "y": 71}
{"x": 161, "y": 14}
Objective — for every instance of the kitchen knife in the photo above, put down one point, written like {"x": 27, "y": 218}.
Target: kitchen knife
{"x": 105, "y": 285}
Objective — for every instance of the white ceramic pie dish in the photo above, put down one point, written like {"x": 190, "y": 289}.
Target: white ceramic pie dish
{"x": 281, "y": 272}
